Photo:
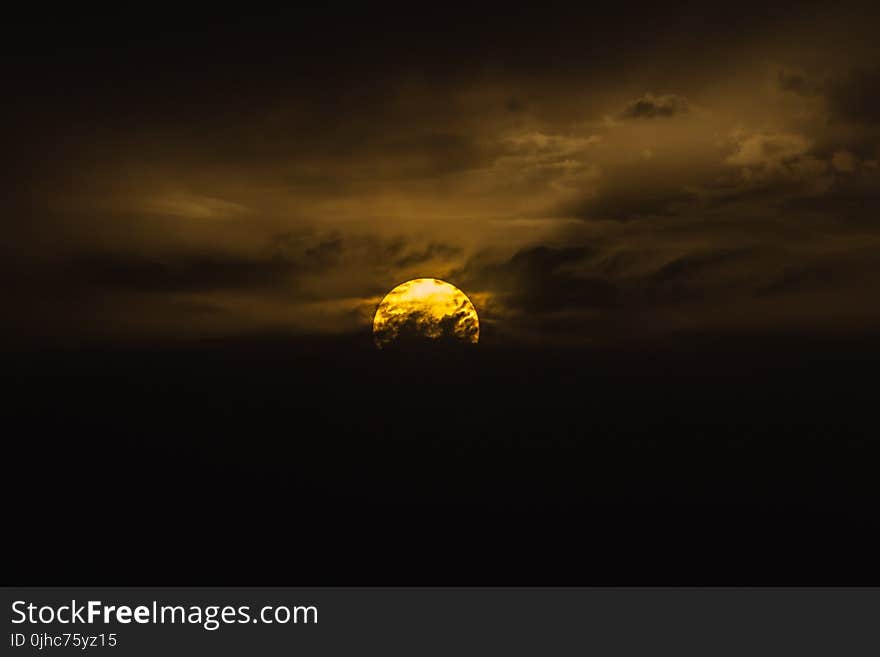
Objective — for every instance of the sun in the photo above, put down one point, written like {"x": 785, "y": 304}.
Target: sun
{"x": 425, "y": 309}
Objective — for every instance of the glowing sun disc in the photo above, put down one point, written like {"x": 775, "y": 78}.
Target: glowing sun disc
{"x": 427, "y": 309}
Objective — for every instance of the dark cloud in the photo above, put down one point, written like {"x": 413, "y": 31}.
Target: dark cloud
{"x": 415, "y": 329}
{"x": 580, "y": 278}
{"x": 619, "y": 204}
{"x": 841, "y": 274}
{"x": 687, "y": 281}
{"x": 645, "y": 189}
{"x": 694, "y": 265}
{"x": 797, "y": 82}
{"x": 285, "y": 260}
{"x": 852, "y": 96}
{"x": 800, "y": 278}
{"x": 650, "y": 106}
{"x": 432, "y": 251}
{"x": 425, "y": 155}
{"x": 179, "y": 273}
{"x": 541, "y": 279}
{"x": 852, "y": 200}
{"x": 856, "y": 96}
{"x": 703, "y": 276}
{"x": 303, "y": 254}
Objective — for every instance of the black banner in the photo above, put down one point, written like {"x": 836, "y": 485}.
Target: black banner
{"x": 441, "y": 621}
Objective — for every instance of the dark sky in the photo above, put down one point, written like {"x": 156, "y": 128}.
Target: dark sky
{"x": 582, "y": 173}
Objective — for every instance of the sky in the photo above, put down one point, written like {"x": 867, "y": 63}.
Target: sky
{"x": 585, "y": 175}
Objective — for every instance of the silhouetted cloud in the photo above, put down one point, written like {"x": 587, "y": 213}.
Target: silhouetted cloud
{"x": 852, "y": 95}
{"x": 415, "y": 329}
{"x": 515, "y": 105}
{"x": 650, "y": 106}
{"x": 430, "y": 252}
{"x": 797, "y": 82}
{"x": 189, "y": 271}
{"x": 539, "y": 279}
{"x": 180, "y": 273}
{"x": 622, "y": 204}
{"x": 856, "y": 96}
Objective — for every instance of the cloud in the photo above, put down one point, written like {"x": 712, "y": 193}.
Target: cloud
{"x": 545, "y": 165}
{"x": 777, "y": 164}
{"x": 415, "y": 328}
{"x": 433, "y": 251}
{"x": 296, "y": 282}
{"x": 851, "y": 96}
{"x": 286, "y": 259}
{"x": 844, "y": 161}
{"x": 851, "y": 199}
{"x": 306, "y": 253}
{"x": 550, "y": 146}
{"x": 540, "y": 279}
{"x": 425, "y": 154}
{"x": 650, "y": 106}
{"x": 767, "y": 150}
{"x": 614, "y": 291}
{"x": 619, "y": 203}
{"x": 185, "y": 272}
{"x": 855, "y": 96}
{"x": 195, "y": 206}
{"x": 797, "y": 82}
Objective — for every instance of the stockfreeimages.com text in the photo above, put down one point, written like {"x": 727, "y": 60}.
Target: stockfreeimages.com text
{"x": 211, "y": 617}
